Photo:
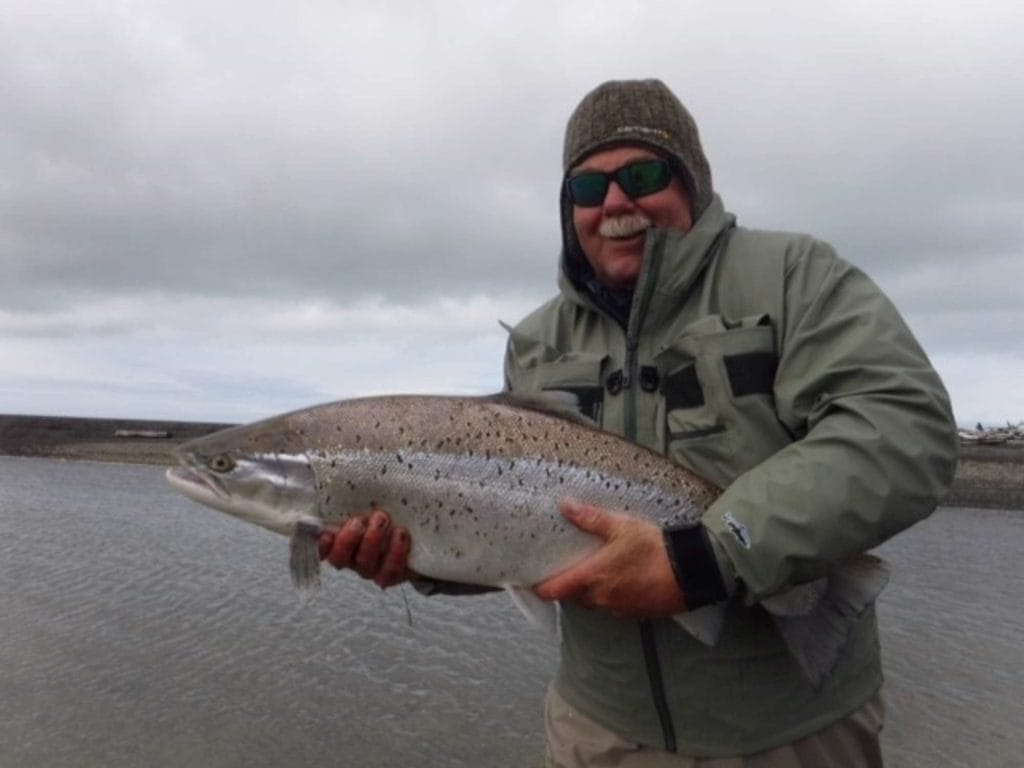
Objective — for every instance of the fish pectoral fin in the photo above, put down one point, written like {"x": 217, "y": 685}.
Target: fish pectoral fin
{"x": 541, "y": 614}
{"x": 304, "y": 560}
{"x": 818, "y": 637}
{"x": 704, "y": 623}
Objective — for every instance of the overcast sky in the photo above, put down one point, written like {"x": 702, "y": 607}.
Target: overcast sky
{"x": 225, "y": 210}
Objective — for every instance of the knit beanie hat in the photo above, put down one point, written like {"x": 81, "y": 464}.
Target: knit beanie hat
{"x": 646, "y": 112}
{"x": 630, "y": 112}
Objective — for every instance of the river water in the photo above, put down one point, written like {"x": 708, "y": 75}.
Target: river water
{"x": 138, "y": 629}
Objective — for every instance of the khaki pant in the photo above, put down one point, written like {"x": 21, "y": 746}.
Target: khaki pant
{"x": 575, "y": 741}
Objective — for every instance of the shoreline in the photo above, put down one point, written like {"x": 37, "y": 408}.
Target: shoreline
{"x": 988, "y": 476}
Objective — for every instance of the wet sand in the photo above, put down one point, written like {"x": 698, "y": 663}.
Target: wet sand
{"x": 989, "y": 476}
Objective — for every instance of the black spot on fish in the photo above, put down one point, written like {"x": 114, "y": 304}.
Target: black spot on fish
{"x": 405, "y": 502}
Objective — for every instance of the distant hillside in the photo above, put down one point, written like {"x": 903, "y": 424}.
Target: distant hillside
{"x": 126, "y": 440}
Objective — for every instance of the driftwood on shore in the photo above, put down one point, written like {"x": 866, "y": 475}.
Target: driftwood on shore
{"x": 1012, "y": 434}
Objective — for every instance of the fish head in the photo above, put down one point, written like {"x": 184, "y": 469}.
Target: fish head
{"x": 246, "y": 472}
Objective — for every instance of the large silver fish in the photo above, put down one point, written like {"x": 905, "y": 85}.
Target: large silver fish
{"x": 478, "y": 481}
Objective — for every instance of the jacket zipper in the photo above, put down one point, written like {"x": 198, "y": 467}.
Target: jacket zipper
{"x": 647, "y": 641}
{"x": 653, "y": 663}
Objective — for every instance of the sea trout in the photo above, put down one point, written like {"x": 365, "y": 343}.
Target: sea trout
{"x": 478, "y": 482}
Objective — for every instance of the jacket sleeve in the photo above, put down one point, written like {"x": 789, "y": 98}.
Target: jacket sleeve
{"x": 876, "y": 443}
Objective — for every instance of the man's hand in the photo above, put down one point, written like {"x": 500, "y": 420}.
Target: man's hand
{"x": 371, "y": 546}
{"x": 629, "y": 576}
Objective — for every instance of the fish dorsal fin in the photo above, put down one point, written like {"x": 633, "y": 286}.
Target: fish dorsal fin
{"x": 553, "y": 402}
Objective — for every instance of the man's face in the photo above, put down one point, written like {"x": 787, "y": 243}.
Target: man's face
{"x": 612, "y": 233}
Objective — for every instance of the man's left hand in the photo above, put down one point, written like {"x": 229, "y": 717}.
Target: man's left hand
{"x": 629, "y": 576}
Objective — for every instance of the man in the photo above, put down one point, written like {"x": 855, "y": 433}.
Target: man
{"x": 762, "y": 362}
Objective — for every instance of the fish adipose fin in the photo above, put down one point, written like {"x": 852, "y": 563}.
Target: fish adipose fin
{"x": 541, "y": 614}
{"x": 817, "y": 637}
{"x": 704, "y": 623}
{"x": 305, "y": 557}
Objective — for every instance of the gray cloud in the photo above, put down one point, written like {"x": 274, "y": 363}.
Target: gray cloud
{"x": 405, "y": 154}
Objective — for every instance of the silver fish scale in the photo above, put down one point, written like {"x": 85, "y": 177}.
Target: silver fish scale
{"x": 491, "y": 426}
{"x": 485, "y": 519}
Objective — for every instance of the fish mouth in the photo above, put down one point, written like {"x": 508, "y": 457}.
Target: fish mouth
{"x": 193, "y": 483}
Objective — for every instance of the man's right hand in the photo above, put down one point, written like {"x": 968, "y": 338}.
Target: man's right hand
{"x": 371, "y": 546}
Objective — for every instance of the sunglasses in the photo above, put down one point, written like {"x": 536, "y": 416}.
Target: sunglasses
{"x": 636, "y": 179}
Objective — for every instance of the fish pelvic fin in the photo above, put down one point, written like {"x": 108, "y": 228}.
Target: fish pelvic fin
{"x": 817, "y": 637}
{"x": 304, "y": 560}
{"x": 704, "y": 623}
{"x": 541, "y": 614}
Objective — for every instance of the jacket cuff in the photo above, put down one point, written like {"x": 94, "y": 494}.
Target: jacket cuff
{"x": 695, "y": 566}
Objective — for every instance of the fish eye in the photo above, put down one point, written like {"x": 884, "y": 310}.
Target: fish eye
{"x": 221, "y": 463}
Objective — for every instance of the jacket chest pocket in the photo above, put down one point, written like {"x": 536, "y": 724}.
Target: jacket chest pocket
{"x": 717, "y": 389}
{"x": 579, "y": 374}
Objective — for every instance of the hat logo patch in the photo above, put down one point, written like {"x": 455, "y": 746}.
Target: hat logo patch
{"x": 644, "y": 130}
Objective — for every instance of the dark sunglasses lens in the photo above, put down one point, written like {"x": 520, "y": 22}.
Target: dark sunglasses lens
{"x": 644, "y": 178}
{"x": 588, "y": 189}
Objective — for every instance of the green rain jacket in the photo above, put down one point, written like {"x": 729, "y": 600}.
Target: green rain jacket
{"x": 768, "y": 365}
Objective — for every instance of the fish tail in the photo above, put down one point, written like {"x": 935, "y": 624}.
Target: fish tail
{"x": 818, "y": 638}
{"x": 305, "y": 557}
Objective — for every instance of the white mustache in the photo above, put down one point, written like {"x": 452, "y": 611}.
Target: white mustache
{"x": 623, "y": 226}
